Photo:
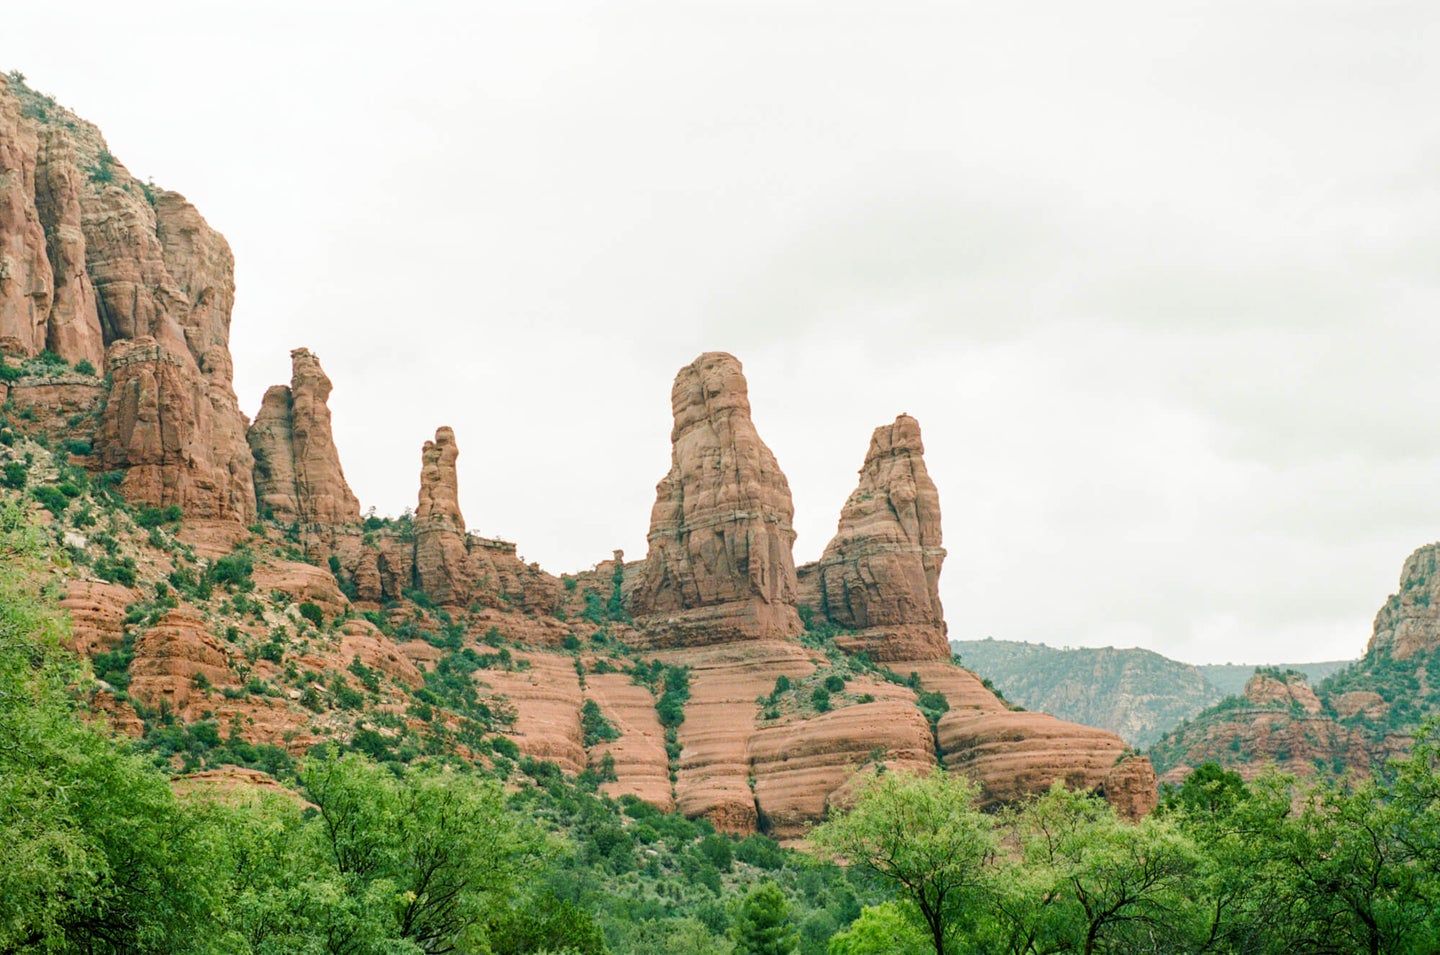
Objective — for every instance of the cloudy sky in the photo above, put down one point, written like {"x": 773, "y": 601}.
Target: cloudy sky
{"x": 1161, "y": 281}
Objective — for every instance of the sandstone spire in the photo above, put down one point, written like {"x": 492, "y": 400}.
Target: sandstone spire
{"x": 720, "y": 565}
{"x": 442, "y": 569}
{"x": 297, "y": 467}
{"x": 880, "y": 574}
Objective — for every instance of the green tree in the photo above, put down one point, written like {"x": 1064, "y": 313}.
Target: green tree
{"x": 764, "y": 926}
{"x": 99, "y": 856}
{"x": 881, "y": 930}
{"x": 924, "y": 837}
{"x": 436, "y": 849}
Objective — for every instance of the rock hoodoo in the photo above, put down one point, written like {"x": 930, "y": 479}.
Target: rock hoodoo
{"x": 132, "y": 291}
{"x": 297, "y": 467}
{"x": 880, "y": 574}
{"x": 720, "y": 565}
{"x": 441, "y": 566}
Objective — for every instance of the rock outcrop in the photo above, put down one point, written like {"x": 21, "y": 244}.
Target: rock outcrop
{"x": 441, "y": 558}
{"x": 720, "y": 565}
{"x": 73, "y": 330}
{"x": 108, "y": 271}
{"x": 298, "y": 477}
{"x": 879, "y": 577}
{"x": 1409, "y": 622}
{"x": 159, "y": 430}
{"x": 26, "y": 280}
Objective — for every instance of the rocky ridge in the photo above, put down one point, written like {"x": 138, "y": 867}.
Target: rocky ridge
{"x": 226, "y": 583}
{"x": 1353, "y": 721}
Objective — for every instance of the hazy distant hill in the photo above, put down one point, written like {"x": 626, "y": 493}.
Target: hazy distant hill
{"x": 1136, "y": 693}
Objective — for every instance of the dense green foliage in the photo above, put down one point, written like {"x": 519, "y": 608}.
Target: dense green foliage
{"x": 1222, "y": 867}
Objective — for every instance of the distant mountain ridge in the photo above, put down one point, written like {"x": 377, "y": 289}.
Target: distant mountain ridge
{"x": 1137, "y": 694}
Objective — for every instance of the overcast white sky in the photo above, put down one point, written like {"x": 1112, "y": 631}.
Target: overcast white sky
{"x": 1161, "y": 281}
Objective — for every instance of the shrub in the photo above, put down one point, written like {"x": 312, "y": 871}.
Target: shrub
{"x": 835, "y": 683}
{"x": 312, "y": 612}
{"x": 820, "y": 698}
{"x": 596, "y": 727}
{"x": 233, "y": 571}
{"x": 16, "y": 474}
{"x": 51, "y": 498}
{"x": 84, "y": 367}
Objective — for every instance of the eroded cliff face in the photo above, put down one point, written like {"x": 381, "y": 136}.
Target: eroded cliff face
{"x": 720, "y": 565}
{"x": 1409, "y": 622}
{"x": 127, "y": 278}
{"x": 298, "y": 476}
{"x": 129, "y": 281}
{"x": 879, "y": 577}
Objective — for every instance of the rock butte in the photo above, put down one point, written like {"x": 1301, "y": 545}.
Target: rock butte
{"x": 103, "y": 269}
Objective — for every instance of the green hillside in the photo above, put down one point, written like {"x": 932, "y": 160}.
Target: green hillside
{"x": 1135, "y": 693}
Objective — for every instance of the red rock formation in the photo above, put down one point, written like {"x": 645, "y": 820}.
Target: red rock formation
{"x": 26, "y": 280}
{"x": 170, "y": 656}
{"x": 720, "y": 565}
{"x": 97, "y": 613}
{"x": 65, "y": 403}
{"x": 1409, "y": 623}
{"x": 800, "y": 766}
{"x": 297, "y": 467}
{"x": 641, "y": 766}
{"x": 95, "y": 259}
{"x": 1287, "y": 689}
{"x": 158, "y": 428}
{"x": 880, "y": 574}
{"x": 441, "y": 566}
{"x": 74, "y": 324}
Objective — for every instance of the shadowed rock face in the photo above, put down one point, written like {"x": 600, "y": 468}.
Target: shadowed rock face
{"x": 297, "y": 468}
{"x": 880, "y": 574}
{"x": 720, "y": 565}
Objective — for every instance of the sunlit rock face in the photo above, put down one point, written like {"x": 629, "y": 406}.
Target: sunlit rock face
{"x": 720, "y": 565}
{"x": 298, "y": 476}
{"x": 880, "y": 575}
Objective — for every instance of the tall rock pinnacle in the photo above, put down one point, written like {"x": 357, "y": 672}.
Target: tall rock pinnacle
{"x": 880, "y": 574}
{"x": 442, "y": 568}
{"x": 297, "y": 467}
{"x": 720, "y": 565}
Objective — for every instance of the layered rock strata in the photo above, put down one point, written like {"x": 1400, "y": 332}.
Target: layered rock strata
{"x": 298, "y": 477}
{"x": 879, "y": 577}
{"x": 720, "y": 565}
{"x": 107, "y": 271}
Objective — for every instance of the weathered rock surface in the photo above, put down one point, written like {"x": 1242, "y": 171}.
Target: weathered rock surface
{"x": 158, "y": 428}
{"x": 714, "y": 771}
{"x": 73, "y": 330}
{"x": 880, "y": 574}
{"x": 1284, "y": 689}
{"x": 801, "y": 765}
{"x": 441, "y": 566}
{"x": 720, "y": 565}
{"x": 97, "y": 613}
{"x": 1409, "y": 622}
{"x": 297, "y": 467}
{"x": 65, "y": 403}
{"x": 94, "y": 260}
{"x": 641, "y": 766}
{"x": 26, "y": 280}
{"x": 1013, "y": 755}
